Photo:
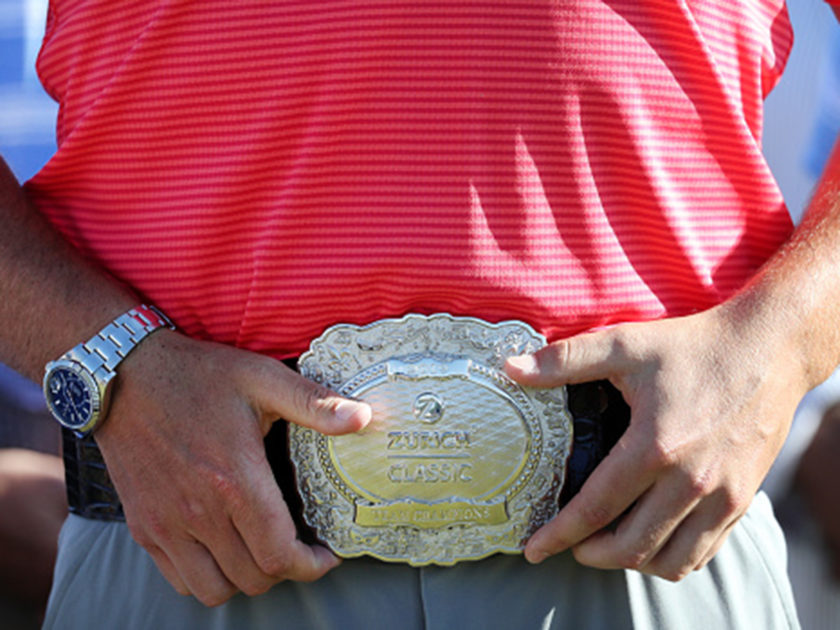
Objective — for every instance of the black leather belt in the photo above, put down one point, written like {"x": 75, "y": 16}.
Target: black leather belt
{"x": 600, "y": 417}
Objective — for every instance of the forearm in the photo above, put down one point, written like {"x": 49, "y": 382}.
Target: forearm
{"x": 51, "y": 297}
{"x": 793, "y": 302}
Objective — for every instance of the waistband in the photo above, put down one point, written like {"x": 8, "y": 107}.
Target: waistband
{"x": 599, "y": 412}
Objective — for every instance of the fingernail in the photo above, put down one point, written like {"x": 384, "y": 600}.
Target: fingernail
{"x": 535, "y": 557}
{"x": 525, "y": 363}
{"x": 353, "y": 412}
{"x": 327, "y": 560}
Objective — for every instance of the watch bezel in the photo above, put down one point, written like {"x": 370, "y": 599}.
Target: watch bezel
{"x": 97, "y": 390}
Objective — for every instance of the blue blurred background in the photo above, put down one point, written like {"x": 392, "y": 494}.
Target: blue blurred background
{"x": 27, "y": 140}
{"x": 27, "y": 114}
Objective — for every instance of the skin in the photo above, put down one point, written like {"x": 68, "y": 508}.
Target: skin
{"x": 712, "y": 396}
{"x": 183, "y": 439}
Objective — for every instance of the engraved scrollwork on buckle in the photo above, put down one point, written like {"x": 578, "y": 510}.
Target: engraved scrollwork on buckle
{"x": 459, "y": 462}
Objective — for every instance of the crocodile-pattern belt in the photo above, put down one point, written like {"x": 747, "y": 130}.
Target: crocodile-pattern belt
{"x": 599, "y": 412}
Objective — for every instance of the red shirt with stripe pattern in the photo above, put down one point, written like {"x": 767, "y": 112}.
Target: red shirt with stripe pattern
{"x": 262, "y": 170}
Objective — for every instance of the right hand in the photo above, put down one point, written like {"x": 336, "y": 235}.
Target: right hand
{"x": 184, "y": 446}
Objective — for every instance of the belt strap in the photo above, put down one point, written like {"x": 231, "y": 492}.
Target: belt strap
{"x": 599, "y": 412}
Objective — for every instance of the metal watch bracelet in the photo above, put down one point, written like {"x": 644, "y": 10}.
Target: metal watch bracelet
{"x": 113, "y": 343}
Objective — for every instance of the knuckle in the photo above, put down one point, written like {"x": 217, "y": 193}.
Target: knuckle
{"x": 257, "y": 587}
{"x": 620, "y": 342}
{"x": 675, "y": 574}
{"x": 660, "y": 455}
{"x": 226, "y": 488}
{"x": 733, "y": 503}
{"x": 149, "y": 531}
{"x": 264, "y": 366}
{"x": 276, "y": 565}
{"x": 193, "y": 513}
{"x": 626, "y": 345}
{"x": 595, "y": 516}
{"x": 309, "y": 397}
{"x": 632, "y": 559}
{"x": 674, "y": 566}
{"x": 563, "y": 353}
{"x": 219, "y": 492}
{"x": 699, "y": 484}
{"x": 215, "y": 596}
{"x": 141, "y": 536}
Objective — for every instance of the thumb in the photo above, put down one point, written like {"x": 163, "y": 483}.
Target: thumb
{"x": 283, "y": 393}
{"x": 586, "y": 357}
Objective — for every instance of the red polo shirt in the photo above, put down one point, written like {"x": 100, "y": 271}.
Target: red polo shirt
{"x": 262, "y": 170}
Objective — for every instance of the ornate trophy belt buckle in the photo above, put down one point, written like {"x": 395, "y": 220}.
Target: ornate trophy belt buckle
{"x": 459, "y": 462}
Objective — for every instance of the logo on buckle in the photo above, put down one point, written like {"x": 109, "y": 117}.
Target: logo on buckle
{"x": 428, "y": 407}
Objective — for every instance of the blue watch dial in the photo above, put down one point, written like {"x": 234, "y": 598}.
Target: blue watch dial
{"x": 70, "y": 398}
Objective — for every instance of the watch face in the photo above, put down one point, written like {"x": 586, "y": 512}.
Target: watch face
{"x": 73, "y": 400}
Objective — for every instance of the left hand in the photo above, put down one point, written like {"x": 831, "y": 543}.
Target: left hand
{"x": 711, "y": 404}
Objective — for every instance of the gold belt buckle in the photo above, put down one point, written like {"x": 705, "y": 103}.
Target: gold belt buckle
{"x": 459, "y": 462}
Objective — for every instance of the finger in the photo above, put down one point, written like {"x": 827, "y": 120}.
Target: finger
{"x": 586, "y": 357}
{"x": 287, "y": 558}
{"x": 269, "y": 533}
{"x": 283, "y": 393}
{"x": 168, "y": 570}
{"x": 646, "y": 532}
{"x": 235, "y": 560}
{"x": 199, "y": 572}
{"x": 615, "y": 484}
{"x": 686, "y": 548}
{"x": 697, "y": 540}
{"x": 716, "y": 545}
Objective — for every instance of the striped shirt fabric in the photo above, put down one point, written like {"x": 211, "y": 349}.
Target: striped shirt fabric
{"x": 262, "y": 170}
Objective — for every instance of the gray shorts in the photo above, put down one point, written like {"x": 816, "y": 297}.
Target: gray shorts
{"x": 104, "y": 580}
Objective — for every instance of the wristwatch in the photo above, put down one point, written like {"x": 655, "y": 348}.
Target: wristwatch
{"x": 77, "y": 386}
